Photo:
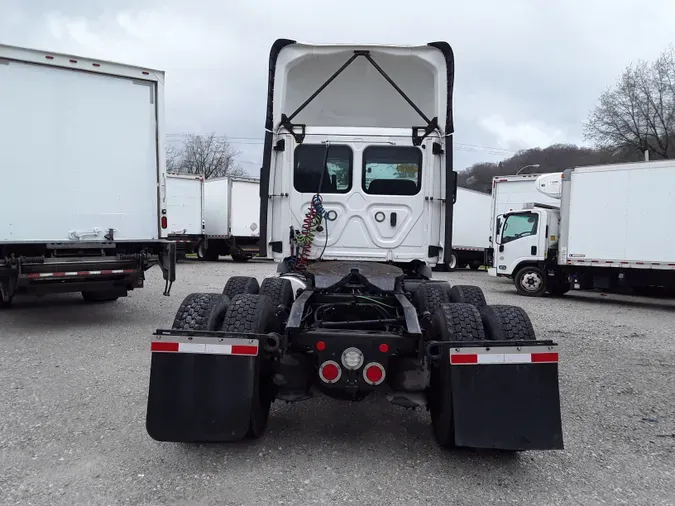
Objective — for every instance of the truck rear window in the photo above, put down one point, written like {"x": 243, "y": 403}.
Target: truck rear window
{"x": 392, "y": 170}
{"x": 308, "y": 167}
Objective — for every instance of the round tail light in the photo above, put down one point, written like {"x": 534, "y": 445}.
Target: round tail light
{"x": 374, "y": 373}
{"x": 330, "y": 372}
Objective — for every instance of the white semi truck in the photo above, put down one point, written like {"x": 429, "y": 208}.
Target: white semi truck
{"x": 185, "y": 204}
{"x": 83, "y": 204}
{"x": 606, "y": 232}
{"x": 357, "y": 198}
{"x": 231, "y": 218}
{"x": 510, "y": 193}
{"x": 470, "y": 229}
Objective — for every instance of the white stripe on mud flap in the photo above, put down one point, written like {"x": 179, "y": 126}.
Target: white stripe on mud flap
{"x": 191, "y": 348}
{"x": 489, "y": 358}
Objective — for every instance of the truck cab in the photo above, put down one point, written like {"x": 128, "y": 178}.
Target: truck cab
{"x": 527, "y": 244}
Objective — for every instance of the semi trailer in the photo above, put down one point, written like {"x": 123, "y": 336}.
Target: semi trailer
{"x": 185, "y": 211}
{"x": 470, "y": 229}
{"x": 604, "y": 232}
{"x": 510, "y": 193}
{"x": 356, "y": 207}
{"x": 231, "y": 218}
{"x": 82, "y": 174}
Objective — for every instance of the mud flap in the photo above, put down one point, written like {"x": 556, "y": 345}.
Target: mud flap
{"x": 506, "y": 397}
{"x": 201, "y": 388}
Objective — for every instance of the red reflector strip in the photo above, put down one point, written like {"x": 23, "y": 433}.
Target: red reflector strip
{"x": 248, "y": 350}
{"x": 163, "y": 346}
{"x": 463, "y": 358}
{"x": 244, "y": 349}
{"x": 544, "y": 357}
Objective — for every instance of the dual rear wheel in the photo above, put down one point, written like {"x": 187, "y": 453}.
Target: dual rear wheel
{"x": 244, "y": 306}
{"x": 460, "y": 313}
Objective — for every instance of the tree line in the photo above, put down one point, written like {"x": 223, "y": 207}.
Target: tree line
{"x": 207, "y": 155}
{"x": 634, "y": 116}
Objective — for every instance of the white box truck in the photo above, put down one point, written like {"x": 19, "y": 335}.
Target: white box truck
{"x": 470, "y": 229}
{"x": 231, "y": 218}
{"x": 83, "y": 205}
{"x": 510, "y": 193}
{"x": 185, "y": 211}
{"x": 608, "y": 231}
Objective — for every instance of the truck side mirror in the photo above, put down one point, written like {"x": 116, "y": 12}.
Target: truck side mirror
{"x": 499, "y": 229}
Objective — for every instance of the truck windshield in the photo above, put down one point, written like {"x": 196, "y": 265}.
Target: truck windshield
{"x": 392, "y": 170}
{"x": 308, "y": 166}
{"x": 519, "y": 225}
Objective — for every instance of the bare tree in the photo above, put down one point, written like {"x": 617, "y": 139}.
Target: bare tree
{"x": 638, "y": 113}
{"x": 209, "y": 155}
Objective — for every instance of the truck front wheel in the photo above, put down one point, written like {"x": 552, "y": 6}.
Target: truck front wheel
{"x": 530, "y": 281}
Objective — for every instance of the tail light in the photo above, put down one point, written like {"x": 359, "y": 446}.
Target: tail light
{"x": 374, "y": 373}
{"x": 352, "y": 358}
{"x": 165, "y": 222}
{"x": 330, "y": 372}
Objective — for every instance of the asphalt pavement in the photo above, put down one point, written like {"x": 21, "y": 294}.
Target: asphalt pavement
{"x": 73, "y": 391}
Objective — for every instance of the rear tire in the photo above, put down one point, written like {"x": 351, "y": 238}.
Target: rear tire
{"x": 558, "y": 286}
{"x": 530, "y": 281}
{"x": 279, "y": 290}
{"x": 237, "y": 285}
{"x": 201, "y": 311}
{"x": 254, "y": 313}
{"x": 450, "y": 322}
{"x": 240, "y": 257}
{"x": 429, "y": 296}
{"x": 468, "y": 294}
{"x": 507, "y": 323}
{"x": 207, "y": 254}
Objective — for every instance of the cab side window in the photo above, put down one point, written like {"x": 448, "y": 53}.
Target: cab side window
{"x": 392, "y": 170}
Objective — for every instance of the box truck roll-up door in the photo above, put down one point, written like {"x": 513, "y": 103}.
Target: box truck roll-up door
{"x": 78, "y": 153}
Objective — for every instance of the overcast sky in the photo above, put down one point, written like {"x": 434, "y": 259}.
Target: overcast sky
{"x": 527, "y": 72}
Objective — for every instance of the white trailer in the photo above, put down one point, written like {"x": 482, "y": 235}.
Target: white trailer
{"x": 608, "y": 231}
{"x": 185, "y": 205}
{"x": 510, "y": 193}
{"x": 470, "y": 229}
{"x": 82, "y": 174}
{"x": 231, "y": 218}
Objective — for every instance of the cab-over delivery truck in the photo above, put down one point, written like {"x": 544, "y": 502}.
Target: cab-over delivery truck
{"x": 606, "y": 231}
{"x": 82, "y": 176}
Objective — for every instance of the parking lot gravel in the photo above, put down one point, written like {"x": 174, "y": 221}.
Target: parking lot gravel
{"x": 73, "y": 389}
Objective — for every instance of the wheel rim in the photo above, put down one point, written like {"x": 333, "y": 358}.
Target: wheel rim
{"x": 453, "y": 262}
{"x": 531, "y": 281}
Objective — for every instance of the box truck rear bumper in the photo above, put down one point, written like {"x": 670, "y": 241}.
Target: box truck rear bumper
{"x": 116, "y": 273}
